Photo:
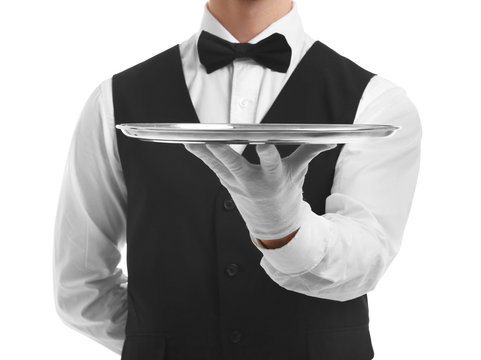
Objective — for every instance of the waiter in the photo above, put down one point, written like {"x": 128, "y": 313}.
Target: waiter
{"x": 234, "y": 251}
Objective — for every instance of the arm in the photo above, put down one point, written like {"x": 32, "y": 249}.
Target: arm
{"x": 89, "y": 289}
{"x": 342, "y": 254}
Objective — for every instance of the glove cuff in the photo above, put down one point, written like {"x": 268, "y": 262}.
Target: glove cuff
{"x": 286, "y": 228}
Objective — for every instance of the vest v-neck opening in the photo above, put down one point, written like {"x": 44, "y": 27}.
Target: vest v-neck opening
{"x": 276, "y": 101}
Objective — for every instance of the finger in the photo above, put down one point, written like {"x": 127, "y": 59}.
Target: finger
{"x": 204, "y": 154}
{"x": 305, "y": 153}
{"x": 269, "y": 157}
{"x": 234, "y": 162}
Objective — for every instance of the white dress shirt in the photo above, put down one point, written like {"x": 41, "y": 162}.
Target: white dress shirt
{"x": 339, "y": 255}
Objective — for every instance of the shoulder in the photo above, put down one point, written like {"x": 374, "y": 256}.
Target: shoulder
{"x": 337, "y": 62}
{"x": 381, "y": 87}
{"x": 381, "y": 90}
{"x": 152, "y": 65}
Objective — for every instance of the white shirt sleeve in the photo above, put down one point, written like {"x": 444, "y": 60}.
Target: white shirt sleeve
{"x": 342, "y": 254}
{"x": 90, "y": 228}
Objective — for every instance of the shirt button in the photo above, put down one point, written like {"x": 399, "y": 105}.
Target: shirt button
{"x": 232, "y": 270}
{"x": 243, "y": 103}
{"x": 235, "y": 336}
{"x": 229, "y": 204}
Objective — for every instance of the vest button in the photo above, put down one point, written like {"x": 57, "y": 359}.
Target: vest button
{"x": 229, "y": 204}
{"x": 232, "y": 270}
{"x": 235, "y": 336}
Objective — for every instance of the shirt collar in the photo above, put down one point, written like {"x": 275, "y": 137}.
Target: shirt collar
{"x": 289, "y": 25}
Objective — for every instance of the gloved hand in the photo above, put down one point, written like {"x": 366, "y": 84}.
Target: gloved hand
{"x": 268, "y": 195}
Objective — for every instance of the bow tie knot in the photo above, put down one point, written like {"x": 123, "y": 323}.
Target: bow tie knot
{"x": 273, "y": 52}
{"x": 242, "y": 50}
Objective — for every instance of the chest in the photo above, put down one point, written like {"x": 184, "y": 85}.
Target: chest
{"x": 323, "y": 88}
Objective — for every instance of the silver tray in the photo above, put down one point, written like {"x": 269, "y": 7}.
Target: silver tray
{"x": 227, "y": 133}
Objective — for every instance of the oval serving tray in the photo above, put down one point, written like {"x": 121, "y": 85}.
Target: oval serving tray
{"x": 202, "y": 133}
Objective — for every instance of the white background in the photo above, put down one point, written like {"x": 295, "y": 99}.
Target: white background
{"x": 54, "y": 53}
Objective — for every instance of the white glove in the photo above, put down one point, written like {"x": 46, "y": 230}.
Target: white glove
{"x": 268, "y": 195}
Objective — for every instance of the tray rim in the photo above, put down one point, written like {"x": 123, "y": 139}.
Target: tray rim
{"x": 250, "y": 128}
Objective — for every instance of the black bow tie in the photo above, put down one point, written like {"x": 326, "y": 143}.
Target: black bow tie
{"x": 273, "y": 52}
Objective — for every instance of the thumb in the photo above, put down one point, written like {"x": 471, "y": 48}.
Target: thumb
{"x": 306, "y": 152}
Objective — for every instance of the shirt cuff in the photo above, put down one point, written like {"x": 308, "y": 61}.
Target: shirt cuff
{"x": 305, "y": 250}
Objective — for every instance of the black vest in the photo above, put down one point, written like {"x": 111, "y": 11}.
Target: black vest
{"x": 196, "y": 290}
